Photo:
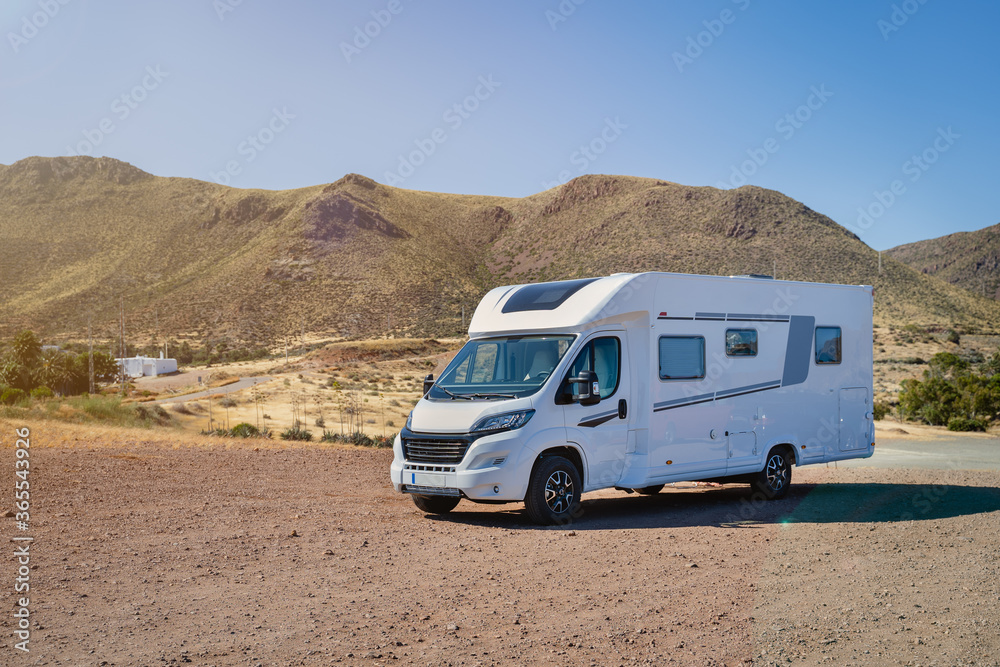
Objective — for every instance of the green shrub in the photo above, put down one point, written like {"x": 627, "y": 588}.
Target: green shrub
{"x": 881, "y": 409}
{"x": 296, "y": 433}
{"x": 13, "y": 396}
{"x": 966, "y": 424}
{"x": 41, "y": 393}
{"x": 245, "y": 430}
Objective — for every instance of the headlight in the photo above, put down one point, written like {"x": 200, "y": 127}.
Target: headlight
{"x": 409, "y": 421}
{"x": 505, "y": 422}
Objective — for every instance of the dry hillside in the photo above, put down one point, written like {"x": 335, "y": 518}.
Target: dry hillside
{"x": 357, "y": 258}
{"x": 967, "y": 259}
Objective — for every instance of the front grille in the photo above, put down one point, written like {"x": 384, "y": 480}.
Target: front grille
{"x": 426, "y": 450}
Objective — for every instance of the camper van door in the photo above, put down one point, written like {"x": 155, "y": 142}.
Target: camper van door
{"x": 601, "y": 430}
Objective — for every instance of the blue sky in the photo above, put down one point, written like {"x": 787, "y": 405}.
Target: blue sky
{"x": 880, "y": 114}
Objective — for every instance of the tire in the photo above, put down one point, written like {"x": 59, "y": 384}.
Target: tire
{"x": 553, "y": 491}
{"x": 773, "y": 481}
{"x": 650, "y": 490}
{"x": 436, "y": 504}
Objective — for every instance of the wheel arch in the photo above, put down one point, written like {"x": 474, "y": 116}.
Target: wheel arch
{"x": 569, "y": 452}
{"x": 787, "y": 443}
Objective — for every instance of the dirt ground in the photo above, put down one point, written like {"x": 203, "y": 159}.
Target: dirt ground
{"x": 155, "y": 548}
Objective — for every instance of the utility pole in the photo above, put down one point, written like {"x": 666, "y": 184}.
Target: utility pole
{"x": 90, "y": 357}
{"x": 880, "y": 262}
{"x": 463, "y": 317}
{"x": 121, "y": 338}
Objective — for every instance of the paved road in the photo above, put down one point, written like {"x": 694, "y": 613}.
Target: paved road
{"x": 242, "y": 383}
{"x": 939, "y": 453}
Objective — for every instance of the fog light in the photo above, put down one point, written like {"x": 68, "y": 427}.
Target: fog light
{"x": 496, "y": 489}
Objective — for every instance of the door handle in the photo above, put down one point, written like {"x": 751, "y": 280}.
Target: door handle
{"x": 622, "y": 409}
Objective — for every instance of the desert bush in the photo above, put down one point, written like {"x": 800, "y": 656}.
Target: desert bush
{"x": 245, "y": 430}
{"x": 296, "y": 433}
{"x": 13, "y": 396}
{"x": 950, "y": 389}
{"x": 151, "y": 413}
{"x": 41, "y": 393}
{"x": 359, "y": 439}
{"x": 965, "y": 424}
{"x": 881, "y": 409}
{"x": 110, "y": 410}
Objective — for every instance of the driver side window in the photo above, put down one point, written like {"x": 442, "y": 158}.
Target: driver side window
{"x": 603, "y": 356}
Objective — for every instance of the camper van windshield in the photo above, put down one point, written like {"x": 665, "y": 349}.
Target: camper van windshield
{"x": 509, "y": 367}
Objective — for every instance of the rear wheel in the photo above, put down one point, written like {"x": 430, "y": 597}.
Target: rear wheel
{"x": 773, "y": 481}
{"x": 554, "y": 491}
{"x": 650, "y": 490}
{"x": 436, "y": 504}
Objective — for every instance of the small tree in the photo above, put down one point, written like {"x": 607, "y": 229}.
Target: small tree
{"x": 25, "y": 349}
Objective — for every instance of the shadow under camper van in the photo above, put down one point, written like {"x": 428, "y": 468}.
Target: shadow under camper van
{"x": 633, "y": 381}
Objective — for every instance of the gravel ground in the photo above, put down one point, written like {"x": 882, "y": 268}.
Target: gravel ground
{"x": 152, "y": 548}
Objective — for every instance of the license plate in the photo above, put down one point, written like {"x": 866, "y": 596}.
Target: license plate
{"x": 426, "y": 479}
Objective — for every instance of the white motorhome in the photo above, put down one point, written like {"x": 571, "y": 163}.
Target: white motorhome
{"x": 636, "y": 380}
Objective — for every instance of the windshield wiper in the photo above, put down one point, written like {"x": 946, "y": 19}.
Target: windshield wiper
{"x": 453, "y": 395}
{"x": 492, "y": 395}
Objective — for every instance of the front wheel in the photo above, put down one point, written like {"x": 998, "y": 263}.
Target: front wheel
{"x": 553, "y": 491}
{"x": 773, "y": 481}
{"x": 436, "y": 504}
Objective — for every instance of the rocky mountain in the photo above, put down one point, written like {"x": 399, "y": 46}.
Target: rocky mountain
{"x": 356, "y": 258}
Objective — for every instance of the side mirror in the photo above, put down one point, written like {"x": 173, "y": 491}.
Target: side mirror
{"x": 428, "y": 382}
{"x": 586, "y": 389}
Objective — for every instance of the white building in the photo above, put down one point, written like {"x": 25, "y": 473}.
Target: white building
{"x": 136, "y": 367}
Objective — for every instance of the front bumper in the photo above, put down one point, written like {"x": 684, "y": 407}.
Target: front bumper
{"x": 493, "y": 469}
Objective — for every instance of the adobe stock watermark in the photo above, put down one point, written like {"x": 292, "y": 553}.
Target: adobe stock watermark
{"x": 363, "y": 35}
{"x": 898, "y": 17}
{"x": 587, "y": 153}
{"x": 121, "y": 108}
{"x": 918, "y": 165}
{"x": 562, "y": 12}
{"x": 32, "y": 24}
{"x": 786, "y": 127}
{"x": 254, "y": 145}
{"x": 454, "y": 116}
{"x": 696, "y": 44}
{"x": 223, "y": 7}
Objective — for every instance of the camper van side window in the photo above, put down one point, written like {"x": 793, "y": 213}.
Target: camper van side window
{"x": 682, "y": 357}
{"x": 603, "y": 356}
{"x": 827, "y": 345}
{"x": 741, "y": 342}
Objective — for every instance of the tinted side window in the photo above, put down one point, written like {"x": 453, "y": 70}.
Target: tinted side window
{"x": 682, "y": 358}
{"x": 827, "y": 345}
{"x": 603, "y": 356}
{"x": 741, "y": 342}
